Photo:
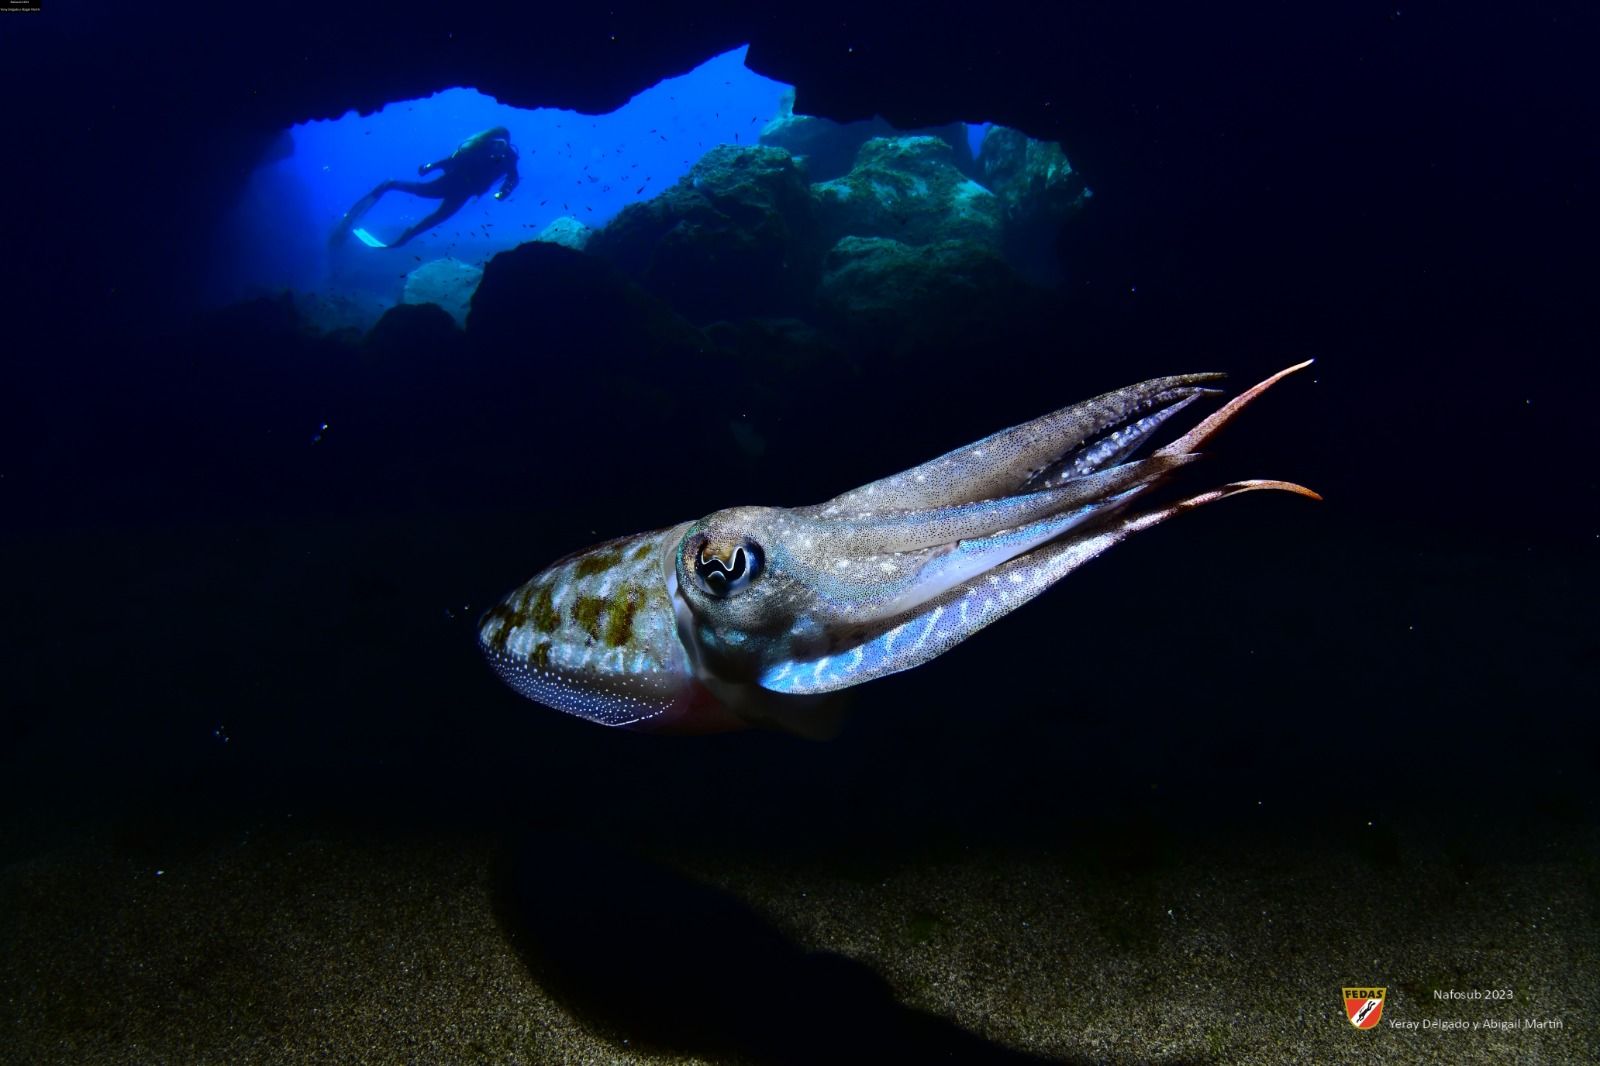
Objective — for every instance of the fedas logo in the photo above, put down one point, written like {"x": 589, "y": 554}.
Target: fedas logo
{"x": 1364, "y": 1006}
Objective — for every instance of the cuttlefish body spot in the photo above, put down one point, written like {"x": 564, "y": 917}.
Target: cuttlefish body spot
{"x": 752, "y": 615}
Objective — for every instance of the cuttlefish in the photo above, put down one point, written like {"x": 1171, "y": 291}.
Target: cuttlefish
{"x": 749, "y": 615}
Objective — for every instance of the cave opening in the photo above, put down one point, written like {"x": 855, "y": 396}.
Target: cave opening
{"x": 576, "y": 171}
{"x": 573, "y": 174}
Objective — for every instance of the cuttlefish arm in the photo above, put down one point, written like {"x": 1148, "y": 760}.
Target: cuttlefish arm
{"x": 744, "y": 616}
{"x": 954, "y": 615}
{"x": 1050, "y": 449}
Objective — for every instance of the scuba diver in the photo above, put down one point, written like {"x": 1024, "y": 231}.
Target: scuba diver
{"x": 468, "y": 171}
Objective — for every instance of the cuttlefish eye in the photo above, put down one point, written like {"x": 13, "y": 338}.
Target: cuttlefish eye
{"x": 722, "y": 568}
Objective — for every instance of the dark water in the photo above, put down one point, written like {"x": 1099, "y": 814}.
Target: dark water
{"x": 246, "y": 554}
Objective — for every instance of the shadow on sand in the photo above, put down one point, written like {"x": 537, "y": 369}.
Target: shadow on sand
{"x": 642, "y": 954}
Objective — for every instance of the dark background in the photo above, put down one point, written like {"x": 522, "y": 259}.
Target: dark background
{"x": 207, "y": 616}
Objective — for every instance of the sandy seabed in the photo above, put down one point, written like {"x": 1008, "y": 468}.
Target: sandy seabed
{"x": 283, "y": 944}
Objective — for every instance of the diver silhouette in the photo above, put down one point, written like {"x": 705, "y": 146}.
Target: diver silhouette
{"x": 467, "y": 172}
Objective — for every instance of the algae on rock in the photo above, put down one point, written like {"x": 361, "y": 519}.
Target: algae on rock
{"x": 908, "y": 189}
{"x": 447, "y": 282}
{"x": 1038, "y": 191}
{"x": 877, "y": 289}
{"x": 567, "y": 232}
{"x": 733, "y": 237}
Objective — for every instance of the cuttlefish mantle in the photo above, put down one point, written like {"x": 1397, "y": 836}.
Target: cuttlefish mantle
{"x": 749, "y": 615}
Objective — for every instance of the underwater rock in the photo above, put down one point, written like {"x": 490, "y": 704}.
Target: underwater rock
{"x": 908, "y": 189}
{"x": 332, "y": 313}
{"x": 447, "y": 282}
{"x": 1032, "y": 179}
{"x": 731, "y": 238}
{"x": 825, "y": 148}
{"x": 1037, "y": 189}
{"x": 787, "y": 369}
{"x": 567, "y": 232}
{"x": 777, "y": 351}
{"x": 407, "y": 326}
{"x": 552, "y": 304}
{"x": 582, "y": 357}
{"x": 876, "y": 288}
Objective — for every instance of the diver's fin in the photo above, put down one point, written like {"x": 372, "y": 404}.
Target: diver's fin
{"x": 352, "y": 216}
{"x": 367, "y": 239}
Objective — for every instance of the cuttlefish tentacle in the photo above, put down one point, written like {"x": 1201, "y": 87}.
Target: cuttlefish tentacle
{"x": 745, "y": 615}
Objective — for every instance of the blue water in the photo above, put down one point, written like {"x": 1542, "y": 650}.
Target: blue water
{"x": 585, "y": 166}
{"x": 975, "y": 134}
